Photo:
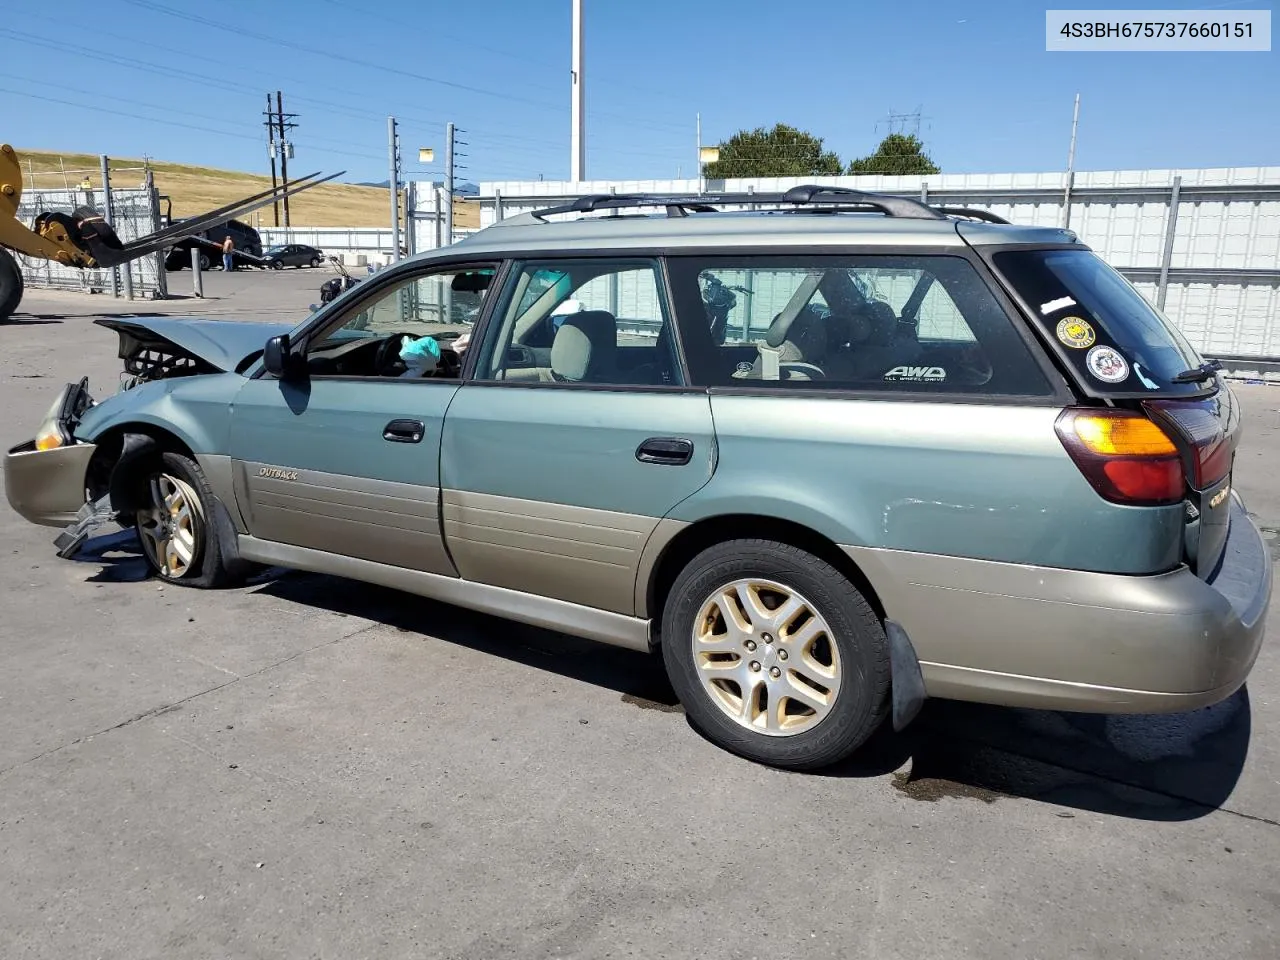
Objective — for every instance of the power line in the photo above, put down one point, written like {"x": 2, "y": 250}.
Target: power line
{"x": 348, "y": 110}
{"x": 303, "y": 48}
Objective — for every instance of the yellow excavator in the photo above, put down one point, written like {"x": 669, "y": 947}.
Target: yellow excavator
{"x": 84, "y": 239}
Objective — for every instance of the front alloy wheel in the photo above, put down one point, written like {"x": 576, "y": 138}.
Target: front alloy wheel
{"x": 765, "y": 656}
{"x": 171, "y": 527}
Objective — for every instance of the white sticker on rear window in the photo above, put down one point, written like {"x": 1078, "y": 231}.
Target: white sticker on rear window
{"x": 916, "y": 374}
{"x": 1107, "y": 365}
{"x": 1054, "y": 305}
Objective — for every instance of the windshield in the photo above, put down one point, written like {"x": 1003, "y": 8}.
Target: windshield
{"x": 1118, "y": 342}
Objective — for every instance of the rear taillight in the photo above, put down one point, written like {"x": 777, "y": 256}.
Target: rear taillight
{"x": 1209, "y": 430}
{"x": 1125, "y": 456}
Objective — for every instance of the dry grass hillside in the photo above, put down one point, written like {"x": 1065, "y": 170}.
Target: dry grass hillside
{"x": 194, "y": 190}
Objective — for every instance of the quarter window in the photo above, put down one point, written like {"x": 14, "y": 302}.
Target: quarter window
{"x": 891, "y": 323}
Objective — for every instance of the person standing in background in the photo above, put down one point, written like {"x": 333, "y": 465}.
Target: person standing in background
{"x": 228, "y": 245}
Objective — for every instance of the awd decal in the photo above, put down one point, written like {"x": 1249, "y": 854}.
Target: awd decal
{"x": 917, "y": 374}
{"x": 1219, "y": 497}
{"x": 275, "y": 473}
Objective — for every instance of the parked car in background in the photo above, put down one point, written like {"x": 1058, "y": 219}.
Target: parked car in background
{"x": 248, "y": 247}
{"x": 829, "y": 456}
{"x": 292, "y": 255}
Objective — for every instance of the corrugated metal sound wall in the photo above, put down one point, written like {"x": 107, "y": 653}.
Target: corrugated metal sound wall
{"x": 1220, "y": 228}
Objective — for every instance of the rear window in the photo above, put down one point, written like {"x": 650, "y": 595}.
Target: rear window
{"x": 897, "y": 324}
{"x": 1116, "y": 340}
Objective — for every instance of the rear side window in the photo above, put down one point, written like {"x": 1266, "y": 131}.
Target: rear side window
{"x": 898, "y": 324}
{"x": 1116, "y": 341}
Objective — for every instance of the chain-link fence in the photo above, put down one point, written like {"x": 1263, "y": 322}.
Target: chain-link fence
{"x": 134, "y": 213}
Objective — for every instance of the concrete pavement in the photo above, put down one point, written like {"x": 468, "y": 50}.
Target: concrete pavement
{"x": 310, "y": 767}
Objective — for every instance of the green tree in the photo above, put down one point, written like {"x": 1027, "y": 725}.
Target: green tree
{"x": 898, "y": 155}
{"x": 781, "y": 152}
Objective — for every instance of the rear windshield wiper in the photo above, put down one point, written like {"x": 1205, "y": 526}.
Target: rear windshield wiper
{"x": 1205, "y": 371}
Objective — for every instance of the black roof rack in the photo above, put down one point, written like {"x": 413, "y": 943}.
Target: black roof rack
{"x": 806, "y": 195}
{"x": 985, "y": 215}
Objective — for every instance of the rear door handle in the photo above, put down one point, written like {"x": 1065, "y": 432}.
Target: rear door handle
{"x": 673, "y": 451}
{"x": 404, "y": 431}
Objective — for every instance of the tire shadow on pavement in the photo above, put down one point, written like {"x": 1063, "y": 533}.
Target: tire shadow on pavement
{"x": 1171, "y": 767}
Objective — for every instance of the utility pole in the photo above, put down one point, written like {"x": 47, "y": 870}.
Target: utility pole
{"x": 578, "y": 154}
{"x": 270, "y": 124}
{"x": 1071, "y": 167}
{"x": 448, "y": 184}
{"x": 698, "y": 155}
{"x": 393, "y": 182}
{"x": 285, "y": 148}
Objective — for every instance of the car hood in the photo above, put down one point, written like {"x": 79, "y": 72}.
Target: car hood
{"x": 220, "y": 343}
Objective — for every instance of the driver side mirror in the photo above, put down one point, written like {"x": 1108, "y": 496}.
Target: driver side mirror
{"x": 276, "y": 359}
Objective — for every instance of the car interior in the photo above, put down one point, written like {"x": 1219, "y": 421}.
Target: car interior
{"x": 368, "y": 341}
{"x": 831, "y": 329}
{"x": 549, "y": 337}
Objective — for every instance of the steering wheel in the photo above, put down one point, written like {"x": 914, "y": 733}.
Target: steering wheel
{"x": 387, "y": 362}
{"x": 814, "y": 372}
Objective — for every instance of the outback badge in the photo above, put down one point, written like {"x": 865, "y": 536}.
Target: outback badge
{"x": 276, "y": 473}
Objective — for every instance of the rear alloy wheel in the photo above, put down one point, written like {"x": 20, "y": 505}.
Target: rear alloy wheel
{"x": 173, "y": 526}
{"x": 775, "y": 655}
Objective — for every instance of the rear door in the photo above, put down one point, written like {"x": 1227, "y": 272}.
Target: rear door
{"x": 1121, "y": 349}
{"x": 575, "y": 435}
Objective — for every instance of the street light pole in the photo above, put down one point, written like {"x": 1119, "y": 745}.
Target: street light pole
{"x": 578, "y": 155}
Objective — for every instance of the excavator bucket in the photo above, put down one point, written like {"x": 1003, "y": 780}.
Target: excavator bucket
{"x": 85, "y": 239}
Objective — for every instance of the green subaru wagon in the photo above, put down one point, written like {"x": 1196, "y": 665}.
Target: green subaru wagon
{"x": 829, "y": 453}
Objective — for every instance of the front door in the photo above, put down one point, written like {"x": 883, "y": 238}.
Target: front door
{"x": 575, "y": 435}
{"x": 345, "y": 459}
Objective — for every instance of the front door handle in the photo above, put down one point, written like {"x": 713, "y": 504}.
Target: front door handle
{"x": 673, "y": 451}
{"x": 404, "y": 431}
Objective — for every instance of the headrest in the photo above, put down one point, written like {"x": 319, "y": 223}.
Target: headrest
{"x": 586, "y": 346}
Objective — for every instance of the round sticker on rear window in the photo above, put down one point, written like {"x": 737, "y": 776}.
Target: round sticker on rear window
{"x": 1076, "y": 332}
{"x": 1107, "y": 365}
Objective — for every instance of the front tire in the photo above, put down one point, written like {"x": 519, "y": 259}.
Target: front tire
{"x": 775, "y": 655}
{"x": 175, "y": 530}
{"x": 315, "y": 262}
{"x": 10, "y": 285}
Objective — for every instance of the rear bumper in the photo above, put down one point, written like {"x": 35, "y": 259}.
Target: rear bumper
{"x": 47, "y": 486}
{"x": 1071, "y": 640}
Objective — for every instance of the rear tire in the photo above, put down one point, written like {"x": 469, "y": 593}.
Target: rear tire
{"x": 770, "y": 618}
{"x": 176, "y": 530}
{"x": 10, "y": 285}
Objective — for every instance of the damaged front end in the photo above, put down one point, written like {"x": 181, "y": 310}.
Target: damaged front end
{"x": 86, "y": 463}
{"x": 47, "y": 479}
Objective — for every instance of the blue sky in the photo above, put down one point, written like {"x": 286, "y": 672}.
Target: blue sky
{"x": 992, "y": 99}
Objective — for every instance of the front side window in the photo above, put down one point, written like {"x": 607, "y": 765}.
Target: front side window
{"x": 857, "y": 322}
{"x": 404, "y": 329}
{"x": 601, "y": 322}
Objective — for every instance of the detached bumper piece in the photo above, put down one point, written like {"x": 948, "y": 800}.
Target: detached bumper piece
{"x": 89, "y": 518}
